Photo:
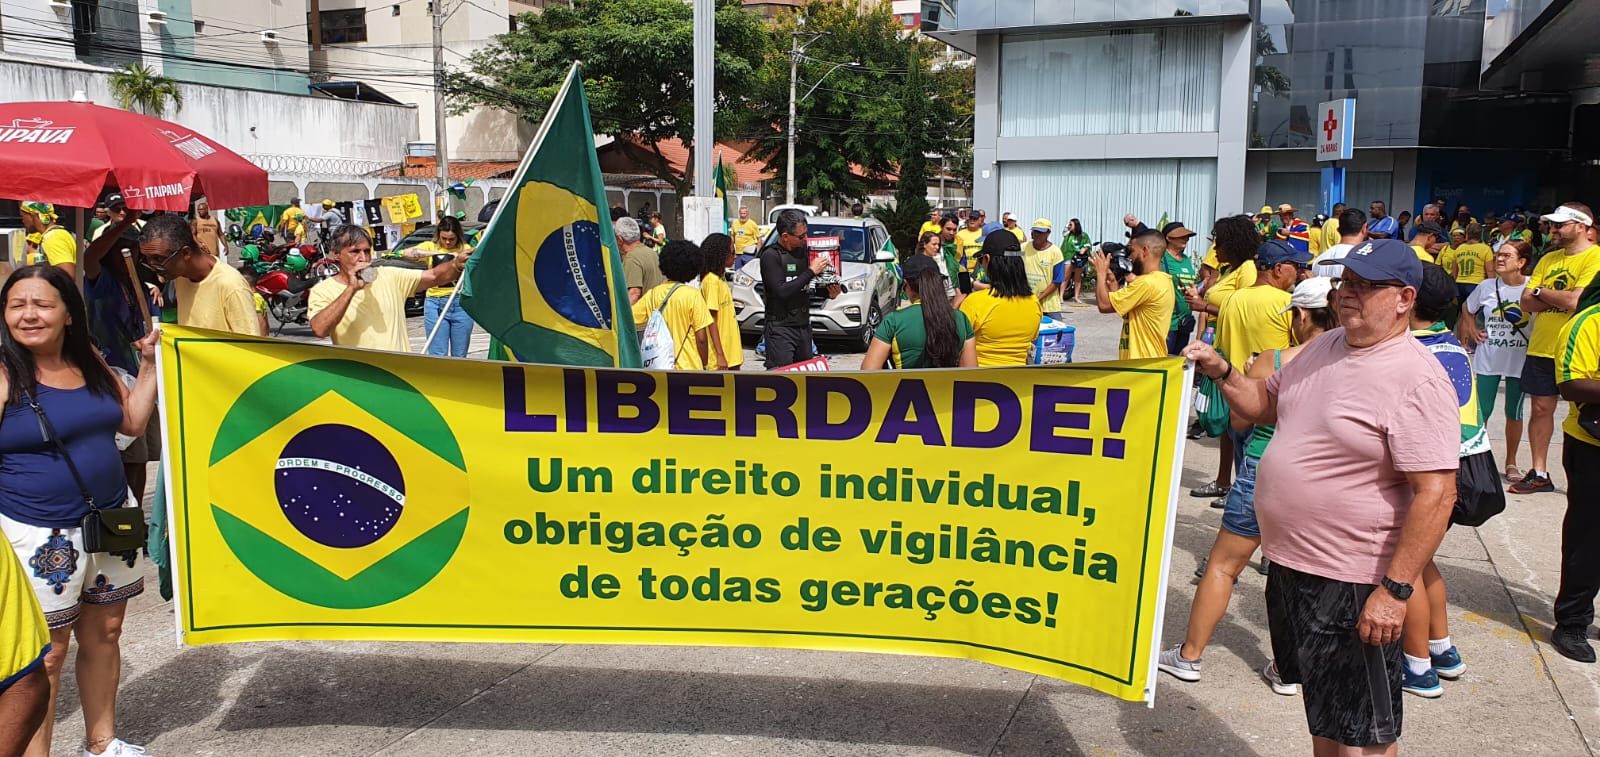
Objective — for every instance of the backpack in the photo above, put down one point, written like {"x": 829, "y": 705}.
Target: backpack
{"x": 656, "y": 348}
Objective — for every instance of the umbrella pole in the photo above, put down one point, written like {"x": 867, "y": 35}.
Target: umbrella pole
{"x": 83, "y": 245}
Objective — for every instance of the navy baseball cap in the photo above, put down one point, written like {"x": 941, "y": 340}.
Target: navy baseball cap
{"x": 1277, "y": 251}
{"x": 1382, "y": 260}
{"x": 1428, "y": 227}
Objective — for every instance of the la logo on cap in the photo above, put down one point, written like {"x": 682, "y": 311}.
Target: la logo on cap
{"x": 1365, "y": 249}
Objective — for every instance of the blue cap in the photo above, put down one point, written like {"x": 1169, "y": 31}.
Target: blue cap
{"x": 1277, "y": 251}
{"x": 1384, "y": 225}
{"x": 1384, "y": 260}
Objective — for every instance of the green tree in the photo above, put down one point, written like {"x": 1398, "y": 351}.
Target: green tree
{"x": 885, "y": 121}
{"x": 637, "y": 60}
{"x": 139, "y": 89}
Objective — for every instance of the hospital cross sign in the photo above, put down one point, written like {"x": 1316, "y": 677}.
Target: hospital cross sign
{"x": 1335, "y": 123}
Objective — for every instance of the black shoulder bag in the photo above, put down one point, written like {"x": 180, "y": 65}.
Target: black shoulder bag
{"x": 117, "y": 529}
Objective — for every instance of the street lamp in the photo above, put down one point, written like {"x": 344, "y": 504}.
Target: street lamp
{"x": 794, "y": 75}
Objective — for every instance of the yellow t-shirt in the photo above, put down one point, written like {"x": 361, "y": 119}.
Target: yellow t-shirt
{"x": 261, "y": 303}
{"x": 1016, "y": 231}
{"x": 1563, "y": 273}
{"x": 1242, "y": 277}
{"x": 1422, "y": 253}
{"x": 1330, "y": 233}
{"x": 1578, "y": 358}
{"x": 376, "y": 317}
{"x": 967, "y": 246}
{"x": 293, "y": 214}
{"x": 59, "y": 246}
{"x": 1004, "y": 327}
{"x": 933, "y": 226}
{"x": 1146, "y": 309}
{"x": 432, "y": 248}
{"x": 1041, "y": 266}
{"x": 745, "y": 233}
{"x": 685, "y": 314}
{"x": 24, "y": 636}
{"x": 1210, "y": 260}
{"x": 719, "y": 298}
{"x": 1250, "y": 324}
{"x": 1473, "y": 260}
{"x": 222, "y": 301}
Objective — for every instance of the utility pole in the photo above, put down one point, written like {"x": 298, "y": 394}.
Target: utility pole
{"x": 705, "y": 87}
{"x": 441, "y": 150}
{"x": 794, "y": 75}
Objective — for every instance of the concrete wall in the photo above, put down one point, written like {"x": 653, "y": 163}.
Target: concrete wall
{"x": 226, "y": 50}
{"x": 230, "y": 33}
{"x": 245, "y": 121}
{"x": 481, "y": 134}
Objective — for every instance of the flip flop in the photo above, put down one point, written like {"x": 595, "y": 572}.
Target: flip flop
{"x": 1513, "y": 474}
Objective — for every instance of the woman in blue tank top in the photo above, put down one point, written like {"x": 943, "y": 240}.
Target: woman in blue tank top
{"x": 46, "y": 357}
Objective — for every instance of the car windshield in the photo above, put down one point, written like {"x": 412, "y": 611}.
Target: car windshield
{"x": 850, "y": 241}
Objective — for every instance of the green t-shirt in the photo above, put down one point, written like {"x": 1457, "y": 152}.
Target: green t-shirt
{"x": 1183, "y": 275}
{"x": 1261, "y": 435}
{"x": 904, "y": 332}
{"x": 1072, "y": 244}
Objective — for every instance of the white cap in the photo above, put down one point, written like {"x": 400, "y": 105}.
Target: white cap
{"x": 1564, "y": 214}
{"x": 1310, "y": 293}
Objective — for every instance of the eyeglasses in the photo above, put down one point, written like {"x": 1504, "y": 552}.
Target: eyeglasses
{"x": 1366, "y": 287}
{"x": 144, "y": 260}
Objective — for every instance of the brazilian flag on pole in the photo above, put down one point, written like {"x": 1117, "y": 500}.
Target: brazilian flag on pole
{"x": 720, "y": 177}
{"x": 546, "y": 280}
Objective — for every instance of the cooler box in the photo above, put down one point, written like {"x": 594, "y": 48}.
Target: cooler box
{"x": 1053, "y": 346}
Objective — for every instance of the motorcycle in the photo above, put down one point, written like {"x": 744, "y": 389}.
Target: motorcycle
{"x": 287, "y": 287}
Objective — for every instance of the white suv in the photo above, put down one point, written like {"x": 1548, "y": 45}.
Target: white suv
{"x": 870, "y": 276}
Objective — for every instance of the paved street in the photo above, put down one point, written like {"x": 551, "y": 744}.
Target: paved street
{"x": 316, "y": 698}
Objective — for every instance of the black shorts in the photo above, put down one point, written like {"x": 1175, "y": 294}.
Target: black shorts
{"x": 1539, "y": 377}
{"x": 1352, "y": 689}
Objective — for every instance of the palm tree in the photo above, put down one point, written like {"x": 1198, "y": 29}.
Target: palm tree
{"x": 139, "y": 89}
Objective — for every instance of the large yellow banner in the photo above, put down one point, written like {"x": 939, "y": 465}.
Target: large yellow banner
{"x": 1020, "y": 516}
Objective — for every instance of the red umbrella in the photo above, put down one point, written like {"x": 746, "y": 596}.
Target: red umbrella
{"x": 67, "y": 153}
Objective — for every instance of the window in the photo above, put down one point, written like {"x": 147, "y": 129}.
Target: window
{"x": 1099, "y": 192}
{"x": 106, "y": 32}
{"x": 1136, "y": 81}
{"x": 340, "y": 26}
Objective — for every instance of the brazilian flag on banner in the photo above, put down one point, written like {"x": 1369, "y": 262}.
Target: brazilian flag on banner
{"x": 546, "y": 280}
{"x": 256, "y": 218}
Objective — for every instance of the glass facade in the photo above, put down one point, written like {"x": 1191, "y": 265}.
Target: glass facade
{"x": 1303, "y": 189}
{"x": 1099, "y": 192}
{"x": 1126, "y": 81}
{"x": 1015, "y": 14}
{"x": 1412, "y": 66}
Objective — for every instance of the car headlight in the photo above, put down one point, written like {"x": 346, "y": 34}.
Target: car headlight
{"x": 856, "y": 285}
{"x": 743, "y": 279}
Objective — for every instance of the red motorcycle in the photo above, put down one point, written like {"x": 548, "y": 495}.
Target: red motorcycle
{"x": 287, "y": 288}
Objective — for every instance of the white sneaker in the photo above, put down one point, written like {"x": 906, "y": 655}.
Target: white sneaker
{"x": 1171, "y": 661}
{"x": 1270, "y": 673}
{"x": 118, "y": 748}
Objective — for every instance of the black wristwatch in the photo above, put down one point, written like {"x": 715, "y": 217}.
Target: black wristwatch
{"x": 1400, "y": 591}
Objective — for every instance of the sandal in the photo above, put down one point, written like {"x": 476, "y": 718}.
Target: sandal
{"x": 1512, "y": 473}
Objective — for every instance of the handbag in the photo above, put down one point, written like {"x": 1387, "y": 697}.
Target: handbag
{"x": 1479, "y": 494}
{"x": 1589, "y": 418}
{"x": 115, "y": 529}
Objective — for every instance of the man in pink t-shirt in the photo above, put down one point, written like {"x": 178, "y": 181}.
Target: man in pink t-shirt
{"x": 1354, "y": 493}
